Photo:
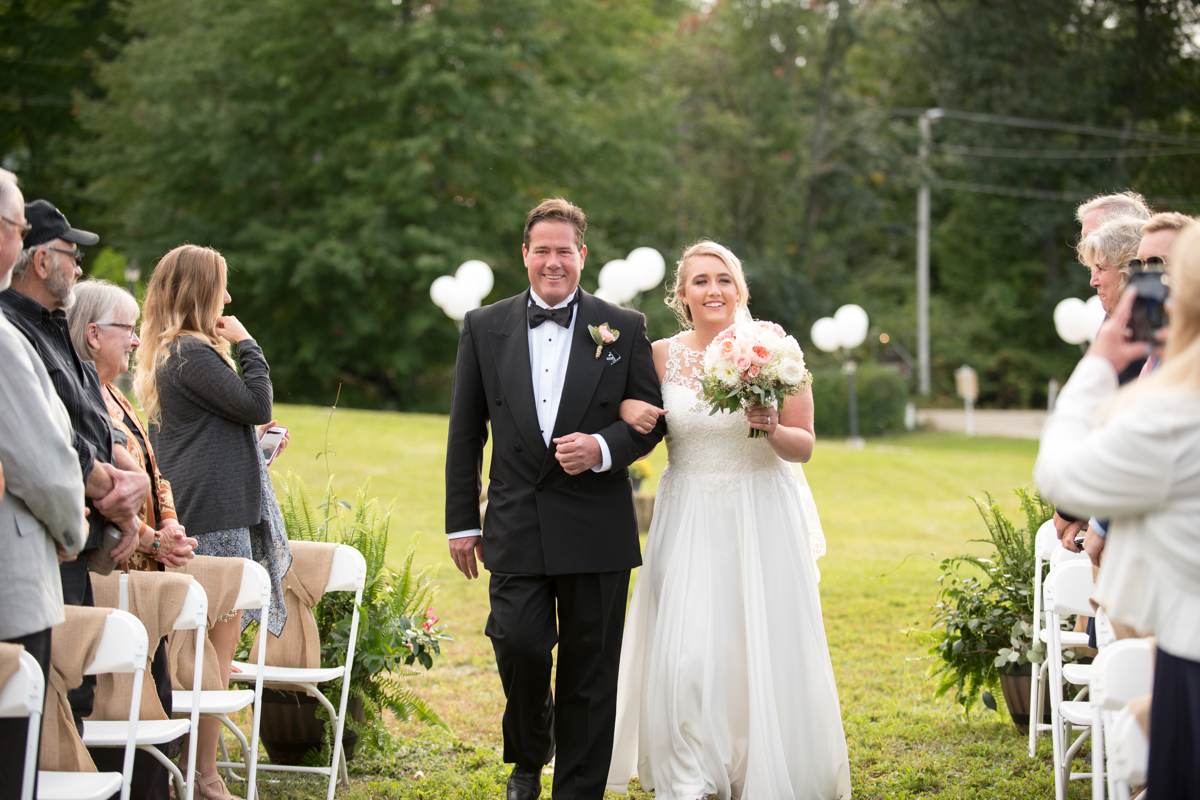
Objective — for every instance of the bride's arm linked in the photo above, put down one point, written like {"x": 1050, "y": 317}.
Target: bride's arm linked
{"x": 638, "y": 414}
{"x": 790, "y": 429}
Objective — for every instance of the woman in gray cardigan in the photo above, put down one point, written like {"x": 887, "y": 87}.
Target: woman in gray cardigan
{"x": 203, "y": 415}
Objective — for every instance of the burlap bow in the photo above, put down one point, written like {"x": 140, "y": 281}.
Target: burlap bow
{"x": 220, "y": 578}
{"x": 73, "y": 645}
{"x": 155, "y": 598}
{"x": 299, "y": 645}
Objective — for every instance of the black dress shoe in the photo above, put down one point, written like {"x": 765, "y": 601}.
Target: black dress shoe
{"x": 524, "y": 784}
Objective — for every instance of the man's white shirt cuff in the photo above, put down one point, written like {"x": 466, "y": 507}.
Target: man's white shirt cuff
{"x": 605, "y": 457}
{"x": 464, "y": 534}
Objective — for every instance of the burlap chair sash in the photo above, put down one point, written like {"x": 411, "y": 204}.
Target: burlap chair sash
{"x": 299, "y": 645}
{"x": 10, "y": 660}
{"x": 221, "y": 578}
{"x": 73, "y": 645}
{"x": 155, "y": 598}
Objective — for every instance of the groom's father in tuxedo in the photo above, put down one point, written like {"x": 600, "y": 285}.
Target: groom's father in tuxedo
{"x": 560, "y": 535}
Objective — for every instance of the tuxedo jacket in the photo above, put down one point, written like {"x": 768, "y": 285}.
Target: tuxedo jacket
{"x": 541, "y": 521}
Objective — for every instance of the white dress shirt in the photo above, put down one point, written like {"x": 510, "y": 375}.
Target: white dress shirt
{"x": 1140, "y": 468}
{"x": 549, "y": 355}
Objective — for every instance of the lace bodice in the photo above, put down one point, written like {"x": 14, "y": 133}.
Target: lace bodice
{"x": 700, "y": 443}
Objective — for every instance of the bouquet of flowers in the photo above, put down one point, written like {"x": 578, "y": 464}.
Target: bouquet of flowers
{"x": 752, "y": 363}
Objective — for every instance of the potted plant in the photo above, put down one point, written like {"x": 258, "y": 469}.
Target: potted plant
{"x": 982, "y": 628}
{"x": 397, "y": 630}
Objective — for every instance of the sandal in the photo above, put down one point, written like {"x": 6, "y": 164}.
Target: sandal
{"x": 212, "y": 788}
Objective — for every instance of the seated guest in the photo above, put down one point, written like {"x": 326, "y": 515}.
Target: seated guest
{"x": 41, "y": 497}
{"x": 1131, "y": 455}
{"x": 202, "y": 415}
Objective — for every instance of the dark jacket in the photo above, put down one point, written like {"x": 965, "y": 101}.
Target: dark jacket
{"x": 205, "y": 437}
{"x": 540, "y": 521}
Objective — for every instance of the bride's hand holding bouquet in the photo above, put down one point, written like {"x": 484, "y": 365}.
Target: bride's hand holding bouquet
{"x": 751, "y": 365}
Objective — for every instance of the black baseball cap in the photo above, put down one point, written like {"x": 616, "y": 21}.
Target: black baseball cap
{"x": 48, "y": 223}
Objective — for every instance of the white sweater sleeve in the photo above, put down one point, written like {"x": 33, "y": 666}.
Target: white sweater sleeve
{"x": 1114, "y": 469}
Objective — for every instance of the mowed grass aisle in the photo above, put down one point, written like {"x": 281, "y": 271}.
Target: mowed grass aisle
{"x": 890, "y": 511}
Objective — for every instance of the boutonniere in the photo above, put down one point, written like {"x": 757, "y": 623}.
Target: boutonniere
{"x": 603, "y": 335}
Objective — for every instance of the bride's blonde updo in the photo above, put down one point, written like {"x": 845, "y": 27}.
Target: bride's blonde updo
{"x": 704, "y": 247}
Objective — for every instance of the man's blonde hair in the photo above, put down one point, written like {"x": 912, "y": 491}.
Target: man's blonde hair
{"x": 1167, "y": 221}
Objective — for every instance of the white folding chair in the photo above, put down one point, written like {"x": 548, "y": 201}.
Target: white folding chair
{"x": 122, "y": 648}
{"x": 1123, "y": 670}
{"x": 1065, "y": 592}
{"x": 1128, "y": 754}
{"x": 253, "y": 593}
{"x": 23, "y": 696}
{"x": 153, "y": 733}
{"x": 348, "y": 573}
{"x": 1048, "y": 551}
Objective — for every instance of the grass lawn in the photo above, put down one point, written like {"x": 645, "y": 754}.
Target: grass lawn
{"x": 890, "y": 511}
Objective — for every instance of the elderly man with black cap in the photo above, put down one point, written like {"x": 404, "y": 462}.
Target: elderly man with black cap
{"x": 43, "y": 282}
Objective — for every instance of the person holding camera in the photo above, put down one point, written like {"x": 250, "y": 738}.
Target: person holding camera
{"x": 204, "y": 414}
{"x": 1133, "y": 455}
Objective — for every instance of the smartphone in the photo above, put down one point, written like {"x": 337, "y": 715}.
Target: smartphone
{"x": 1149, "y": 313}
{"x": 270, "y": 443}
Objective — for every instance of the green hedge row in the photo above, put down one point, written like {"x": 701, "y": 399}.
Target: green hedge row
{"x": 882, "y": 395}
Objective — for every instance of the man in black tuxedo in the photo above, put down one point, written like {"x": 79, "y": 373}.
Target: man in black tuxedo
{"x": 560, "y": 535}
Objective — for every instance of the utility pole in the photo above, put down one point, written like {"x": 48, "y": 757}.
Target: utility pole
{"x": 925, "y": 124}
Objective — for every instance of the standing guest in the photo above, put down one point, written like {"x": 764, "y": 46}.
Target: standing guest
{"x": 202, "y": 415}
{"x": 41, "y": 513}
{"x": 43, "y": 281}
{"x": 1132, "y": 455}
{"x": 102, "y": 324}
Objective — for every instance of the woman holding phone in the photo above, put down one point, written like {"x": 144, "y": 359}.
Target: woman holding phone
{"x": 206, "y": 412}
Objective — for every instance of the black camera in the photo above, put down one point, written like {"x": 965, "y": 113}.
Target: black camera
{"x": 1149, "y": 312}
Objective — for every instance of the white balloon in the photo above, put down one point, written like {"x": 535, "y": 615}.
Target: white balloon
{"x": 476, "y": 276}
{"x": 650, "y": 267}
{"x": 442, "y": 289}
{"x": 460, "y": 303}
{"x": 825, "y": 334}
{"x": 1070, "y": 320}
{"x": 620, "y": 280}
{"x": 852, "y": 323}
{"x": 1094, "y": 317}
{"x": 605, "y": 295}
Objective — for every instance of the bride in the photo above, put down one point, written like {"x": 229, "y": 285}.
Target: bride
{"x": 726, "y": 686}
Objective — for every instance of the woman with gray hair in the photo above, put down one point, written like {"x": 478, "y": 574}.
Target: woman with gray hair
{"x": 102, "y": 324}
{"x": 1107, "y": 251}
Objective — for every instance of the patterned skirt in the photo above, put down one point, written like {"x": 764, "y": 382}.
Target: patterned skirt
{"x": 265, "y": 542}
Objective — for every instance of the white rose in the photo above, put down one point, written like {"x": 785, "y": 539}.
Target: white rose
{"x": 791, "y": 371}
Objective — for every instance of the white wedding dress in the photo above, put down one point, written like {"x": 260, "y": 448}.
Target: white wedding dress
{"x": 726, "y": 686}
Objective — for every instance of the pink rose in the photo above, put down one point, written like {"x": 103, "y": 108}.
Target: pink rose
{"x": 726, "y": 348}
{"x": 741, "y": 364}
{"x": 606, "y": 335}
{"x": 752, "y": 372}
{"x": 759, "y": 355}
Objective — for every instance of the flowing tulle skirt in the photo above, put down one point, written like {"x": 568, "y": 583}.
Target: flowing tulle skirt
{"x": 726, "y": 686}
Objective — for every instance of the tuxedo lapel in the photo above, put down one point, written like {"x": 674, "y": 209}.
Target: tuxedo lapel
{"x": 583, "y": 368}
{"x": 510, "y": 346}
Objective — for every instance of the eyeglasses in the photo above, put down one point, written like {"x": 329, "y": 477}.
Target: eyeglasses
{"x": 124, "y": 325}
{"x": 24, "y": 228}
{"x": 1151, "y": 264}
{"x": 75, "y": 254}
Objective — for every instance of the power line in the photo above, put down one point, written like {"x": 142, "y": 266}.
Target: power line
{"x": 1052, "y": 125}
{"x": 1057, "y": 154}
{"x": 1032, "y": 193}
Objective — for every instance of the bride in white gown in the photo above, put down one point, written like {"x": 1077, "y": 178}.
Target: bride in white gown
{"x": 726, "y": 686}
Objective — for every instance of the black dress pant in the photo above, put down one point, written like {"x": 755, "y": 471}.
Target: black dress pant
{"x": 77, "y": 591}
{"x": 585, "y": 616}
{"x": 14, "y": 732}
{"x": 1174, "y": 772}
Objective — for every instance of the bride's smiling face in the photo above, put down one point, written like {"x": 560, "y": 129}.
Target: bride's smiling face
{"x": 710, "y": 292}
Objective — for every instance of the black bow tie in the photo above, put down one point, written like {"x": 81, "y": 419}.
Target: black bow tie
{"x": 559, "y": 316}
